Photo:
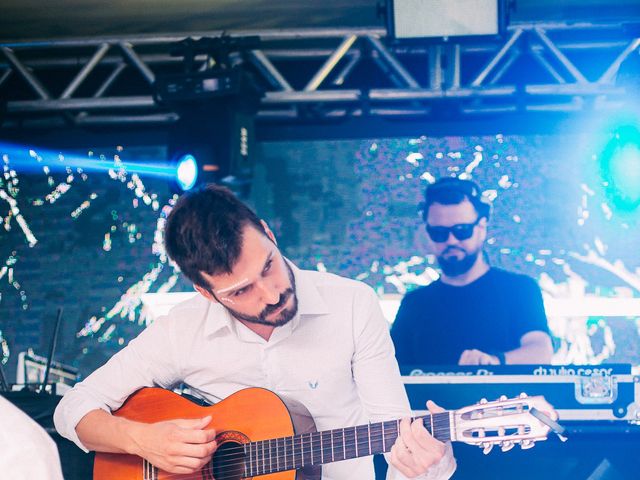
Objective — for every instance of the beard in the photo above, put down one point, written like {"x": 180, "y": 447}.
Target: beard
{"x": 284, "y": 317}
{"x": 453, "y": 266}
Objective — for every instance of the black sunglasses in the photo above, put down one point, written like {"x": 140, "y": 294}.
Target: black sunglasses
{"x": 462, "y": 231}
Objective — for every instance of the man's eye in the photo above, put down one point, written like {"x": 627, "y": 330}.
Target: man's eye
{"x": 267, "y": 267}
{"x": 237, "y": 293}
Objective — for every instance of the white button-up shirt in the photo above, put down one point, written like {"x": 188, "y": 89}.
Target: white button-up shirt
{"x": 335, "y": 357}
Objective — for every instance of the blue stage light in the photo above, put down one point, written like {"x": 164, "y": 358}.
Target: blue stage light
{"x": 26, "y": 159}
{"x": 620, "y": 166}
{"x": 187, "y": 172}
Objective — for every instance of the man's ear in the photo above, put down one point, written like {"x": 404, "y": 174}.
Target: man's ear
{"x": 483, "y": 224}
{"x": 268, "y": 231}
{"x": 205, "y": 293}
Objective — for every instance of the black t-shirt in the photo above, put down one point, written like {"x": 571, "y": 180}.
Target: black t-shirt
{"x": 436, "y": 323}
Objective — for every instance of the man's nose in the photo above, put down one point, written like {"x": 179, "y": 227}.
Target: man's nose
{"x": 268, "y": 293}
{"x": 451, "y": 239}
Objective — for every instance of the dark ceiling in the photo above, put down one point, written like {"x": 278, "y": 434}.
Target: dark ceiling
{"x": 35, "y": 19}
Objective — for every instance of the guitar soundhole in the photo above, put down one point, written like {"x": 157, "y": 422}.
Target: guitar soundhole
{"x": 227, "y": 462}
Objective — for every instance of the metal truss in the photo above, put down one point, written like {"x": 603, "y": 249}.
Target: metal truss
{"x": 325, "y": 74}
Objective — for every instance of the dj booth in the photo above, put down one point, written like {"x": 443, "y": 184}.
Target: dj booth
{"x": 578, "y": 393}
{"x": 599, "y": 406}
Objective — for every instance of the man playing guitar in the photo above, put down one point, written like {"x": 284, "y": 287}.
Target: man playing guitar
{"x": 258, "y": 321}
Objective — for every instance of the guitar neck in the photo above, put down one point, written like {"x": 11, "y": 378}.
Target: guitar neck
{"x": 298, "y": 451}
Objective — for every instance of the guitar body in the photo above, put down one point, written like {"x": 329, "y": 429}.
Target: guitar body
{"x": 249, "y": 415}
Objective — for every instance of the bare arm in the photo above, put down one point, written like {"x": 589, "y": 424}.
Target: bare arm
{"x": 102, "y": 432}
{"x": 535, "y": 347}
{"x": 178, "y": 446}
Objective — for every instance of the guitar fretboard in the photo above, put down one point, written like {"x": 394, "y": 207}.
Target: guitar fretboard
{"x": 288, "y": 453}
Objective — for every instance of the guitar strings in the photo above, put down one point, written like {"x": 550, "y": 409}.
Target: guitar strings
{"x": 240, "y": 449}
{"x": 441, "y": 426}
{"x": 304, "y": 442}
{"x": 244, "y": 463}
{"x": 299, "y": 446}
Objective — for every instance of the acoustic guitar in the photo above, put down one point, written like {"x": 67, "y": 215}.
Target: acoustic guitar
{"x": 261, "y": 434}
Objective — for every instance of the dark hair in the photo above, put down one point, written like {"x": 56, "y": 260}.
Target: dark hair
{"x": 452, "y": 191}
{"x": 204, "y": 232}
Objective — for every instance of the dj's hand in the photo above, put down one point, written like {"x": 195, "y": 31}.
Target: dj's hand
{"x": 477, "y": 357}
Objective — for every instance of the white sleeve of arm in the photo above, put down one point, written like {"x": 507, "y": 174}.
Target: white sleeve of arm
{"x": 147, "y": 361}
{"x": 377, "y": 375}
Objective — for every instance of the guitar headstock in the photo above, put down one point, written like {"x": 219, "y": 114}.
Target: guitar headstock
{"x": 505, "y": 422}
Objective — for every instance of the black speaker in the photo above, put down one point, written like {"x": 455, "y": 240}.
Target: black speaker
{"x": 221, "y": 137}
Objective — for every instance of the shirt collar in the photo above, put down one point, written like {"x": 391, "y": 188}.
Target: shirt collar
{"x": 310, "y": 302}
{"x": 218, "y": 318}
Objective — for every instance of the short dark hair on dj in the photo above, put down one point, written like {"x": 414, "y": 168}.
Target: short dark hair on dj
{"x": 452, "y": 191}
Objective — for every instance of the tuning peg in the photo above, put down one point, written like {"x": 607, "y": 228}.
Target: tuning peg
{"x": 506, "y": 446}
{"x": 523, "y": 395}
{"x": 527, "y": 444}
{"x": 503, "y": 398}
{"x": 486, "y": 447}
{"x": 482, "y": 401}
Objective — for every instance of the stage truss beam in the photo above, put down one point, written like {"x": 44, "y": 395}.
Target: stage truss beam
{"x": 325, "y": 74}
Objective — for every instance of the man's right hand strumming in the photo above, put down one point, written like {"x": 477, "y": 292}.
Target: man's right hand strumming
{"x": 177, "y": 446}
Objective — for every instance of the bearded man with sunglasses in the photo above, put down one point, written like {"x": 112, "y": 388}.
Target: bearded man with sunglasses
{"x": 474, "y": 314}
